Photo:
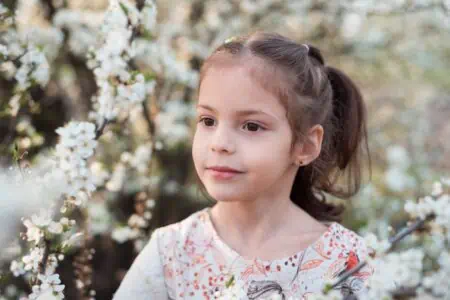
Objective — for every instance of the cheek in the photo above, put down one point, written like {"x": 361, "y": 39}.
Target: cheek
{"x": 270, "y": 153}
{"x": 198, "y": 150}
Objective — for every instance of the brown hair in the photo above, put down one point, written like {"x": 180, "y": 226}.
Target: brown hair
{"x": 312, "y": 93}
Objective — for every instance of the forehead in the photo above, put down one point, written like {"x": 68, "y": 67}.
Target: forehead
{"x": 243, "y": 86}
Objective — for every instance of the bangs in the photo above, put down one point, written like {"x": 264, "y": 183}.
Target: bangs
{"x": 272, "y": 78}
{"x": 275, "y": 79}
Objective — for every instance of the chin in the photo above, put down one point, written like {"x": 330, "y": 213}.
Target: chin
{"x": 224, "y": 196}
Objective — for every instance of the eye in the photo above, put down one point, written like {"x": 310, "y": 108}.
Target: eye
{"x": 253, "y": 126}
{"x": 207, "y": 121}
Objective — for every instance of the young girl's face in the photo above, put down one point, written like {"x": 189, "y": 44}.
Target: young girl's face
{"x": 244, "y": 127}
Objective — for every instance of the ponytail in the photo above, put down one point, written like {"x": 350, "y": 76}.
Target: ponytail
{"x": 350, "y": 114}
{"x": 340, "y": 157}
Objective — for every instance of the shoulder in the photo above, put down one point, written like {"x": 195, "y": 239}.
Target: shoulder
{"x": 178, "y": 233}
{"x": 342, "y": 241}
{"x": 345, "y": 250}
{"x": 345, "y": 237}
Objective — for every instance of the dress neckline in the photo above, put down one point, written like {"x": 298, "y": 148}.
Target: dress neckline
{"x": 207, "y": 211}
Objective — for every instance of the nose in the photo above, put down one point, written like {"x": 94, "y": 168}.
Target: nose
{"x": 222, "y": 140}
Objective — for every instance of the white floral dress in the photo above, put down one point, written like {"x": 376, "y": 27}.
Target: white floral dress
{"x": 188, "y": 260}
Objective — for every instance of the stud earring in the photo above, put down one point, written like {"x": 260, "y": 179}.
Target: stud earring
{"x": 300, "y": 162}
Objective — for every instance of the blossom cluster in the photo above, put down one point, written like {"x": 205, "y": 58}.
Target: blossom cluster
{"x": 26, "y": 51}
{"x": 139, "y": 161}
{"x": 393, "y": 271}
{"x": 83, "y": 26}
{"x": 171, "y": 122}
{"x": 437, "y": 204}
{"x": 40, "y": 225}
{"x": 121, "y": 89}
{"x": 136, "y": 227}
{"x": 50, "y": 287}
{"x": 77, "y": 144}
{"x": 41, "y": 228}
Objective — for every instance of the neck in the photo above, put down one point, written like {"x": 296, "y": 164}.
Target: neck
{"x": 255, "y": 223}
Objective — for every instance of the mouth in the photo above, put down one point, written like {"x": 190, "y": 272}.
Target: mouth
{"x": 222, "y": 172}
{"x": 223, "y": 169}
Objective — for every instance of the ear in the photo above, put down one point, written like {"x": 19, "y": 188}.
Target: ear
{"x": 309, "y": 149}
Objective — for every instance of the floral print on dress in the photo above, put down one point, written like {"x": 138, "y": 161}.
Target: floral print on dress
{"x": 197, "y": 264}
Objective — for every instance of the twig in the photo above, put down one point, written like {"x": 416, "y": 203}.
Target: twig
{"x": 51, "y": 8}
{"x": 151, "y": 124}
{"x": 43, "y": 262}
{"x": 99, "y": 131}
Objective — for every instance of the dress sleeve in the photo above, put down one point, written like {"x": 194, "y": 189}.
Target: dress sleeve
{"x": 145, "y": 278}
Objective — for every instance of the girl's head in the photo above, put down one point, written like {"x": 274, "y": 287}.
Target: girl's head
{"x": 271, "y": 109}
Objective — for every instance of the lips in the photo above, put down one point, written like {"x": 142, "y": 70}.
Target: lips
{"x": 224, "y": 169}
{"x": 223, "y": 173}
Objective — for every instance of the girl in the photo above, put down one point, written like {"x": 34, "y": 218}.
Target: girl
{"x": 276, "y": 127}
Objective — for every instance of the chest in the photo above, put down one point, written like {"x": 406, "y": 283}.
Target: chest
{"x": 206, "y": 272}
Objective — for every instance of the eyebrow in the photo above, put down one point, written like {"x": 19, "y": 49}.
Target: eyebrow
{"x": 239, "y": 113}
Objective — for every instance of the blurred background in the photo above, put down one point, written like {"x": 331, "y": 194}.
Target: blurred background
{"x": 397, "y": 51}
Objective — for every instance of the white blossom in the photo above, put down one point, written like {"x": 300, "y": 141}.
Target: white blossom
{"x": 117, "y": 179}
{"x": 34, "y": 67}
{"x": 132, "y": 93}
{"x": 37, "y": 225}
{"x": 162, "y": 59}
{"x": 137, "y": 221}
{"x": 123, "y": 234}
{"x": 379, "y": 246}
{"x": 120, "y": 90}
{"x": 3, "y": 9}
{"x": 33, "y": 233}
{"x": 17, "y": 268}
{"x": 394, "y": 270}
{"x": 140, "y": 159}
{"x": 100, "y": 218}
{"x": 73, "y": 241}
{"x": 49, "y": 289}
{"x": 33, "y": 259}
{"x": 49, "y": 39}
{"x": 99, "y": 173}
{"x": 438, "y": 281}
{"x": 148, "y": 15}
{"x": 3, "y": 50}
{"x": 55, "y": 228}
{"x": 150, "y": 203}
{"x": 398, "y": 179}
{"x": 171, "y": 122}
{"x": 398, "y": 156}
{"x": 76, "y": 145}
{"x": 84, "y": 28}
{"x": 438, "y": 205}
{"x": 351, "y": 25}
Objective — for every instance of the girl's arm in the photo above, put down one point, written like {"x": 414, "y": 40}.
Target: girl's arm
{"x": 145, "y": 278}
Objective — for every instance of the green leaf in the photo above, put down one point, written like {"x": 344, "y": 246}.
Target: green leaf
{"x": 328, "y": 287}
{"x": 124, "y": 8}
{"x": 148, "y": 35}
{"x": 149, "y": 76}
{"x": 230, "y": 282}
{"x": 15, "y": 152}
